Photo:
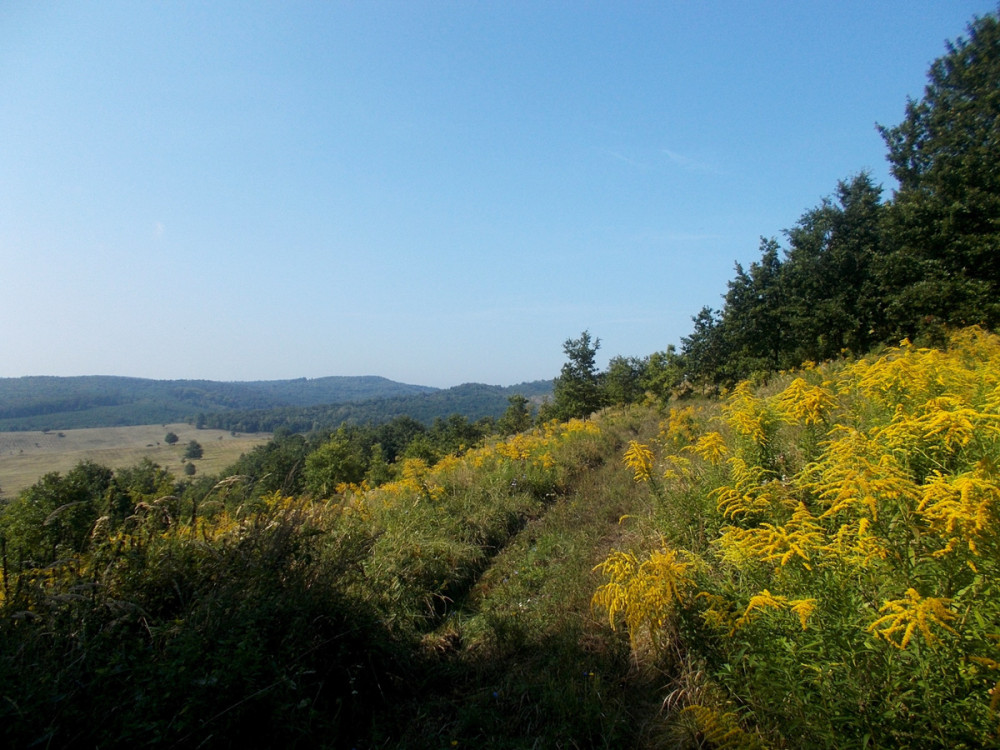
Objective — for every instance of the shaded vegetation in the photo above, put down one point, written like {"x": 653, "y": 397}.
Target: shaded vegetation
{"x": 416, "y": 614}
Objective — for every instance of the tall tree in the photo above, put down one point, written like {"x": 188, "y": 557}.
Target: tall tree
{"x": 833, "y": 300}
{"x": 945, "y": 218}
{"x": 663, "y": 372}
{"x": 623, "y": 380}
{"x": 338, "y": 460}
{"x": 517, "y": 417}
{"x": 703, "y": 352}
{"x": 577, "y": 390}
{"x": 753, "y": 318}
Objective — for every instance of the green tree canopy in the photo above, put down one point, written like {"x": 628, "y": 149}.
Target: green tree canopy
{"x": 55, "y": 515}
{"x": 194, "y": 450}
{"x": 623, "y": 380}
{"x": 577, "y": 390}
{"x": 517, "y": 417}
{"x": 833, "y": 298}
{"x": 336, "y": 461}
{"x": 945, "y": 217}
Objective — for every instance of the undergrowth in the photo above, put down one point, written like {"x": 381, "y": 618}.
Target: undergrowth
{"x": 447, "y": 608}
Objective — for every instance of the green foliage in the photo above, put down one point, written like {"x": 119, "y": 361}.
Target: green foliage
{"x": 53, "y": 518}
{"x": 663, "y": 373}
{"x": 276, "y": 466}
{"x": 622, "y": 382}
{"x": 834, "y": 297}
{"x": 703, "y": 350}
{"x": 577, "y": 391}
{"x": 335, "y": 462}
{"x": 517, "y": 417}
{"x": 824, "y": 297}
{"x": 944, "y": 221}
{"x": 170, "y": 438}
{"x": 193, "y": 450}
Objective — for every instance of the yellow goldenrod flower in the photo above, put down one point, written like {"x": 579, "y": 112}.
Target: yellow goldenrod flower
{"x": 711, "y": 447}
{"x": 805, "y": 403}
{"x": 910, "y": 614}
{"x": 639, "y": 458}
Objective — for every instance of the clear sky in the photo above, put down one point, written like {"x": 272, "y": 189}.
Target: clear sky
{"x": 434, "y": 192}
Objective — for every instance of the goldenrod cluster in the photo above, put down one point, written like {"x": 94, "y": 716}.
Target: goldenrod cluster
{"x": 863, "y": 498}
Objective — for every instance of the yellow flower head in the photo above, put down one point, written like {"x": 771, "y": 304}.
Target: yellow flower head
{"x": 911, "y": 614}
{"x": 639, "y": 458}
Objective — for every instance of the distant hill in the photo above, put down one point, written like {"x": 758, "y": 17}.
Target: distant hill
{"x": 37, "y": 403}
{"x": 44, "y": 402}
{"x": 471, "y": 400}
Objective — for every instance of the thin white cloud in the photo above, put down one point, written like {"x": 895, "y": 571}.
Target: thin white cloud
{"x": 158, "y": 229}
{"x": 694, "y": 165}
{"x": 626, "y": 160}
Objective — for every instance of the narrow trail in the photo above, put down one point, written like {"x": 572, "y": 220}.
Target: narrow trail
{"x": 522, "y": 661}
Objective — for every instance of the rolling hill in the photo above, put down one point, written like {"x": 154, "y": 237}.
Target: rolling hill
{"x": 54, "y": 403}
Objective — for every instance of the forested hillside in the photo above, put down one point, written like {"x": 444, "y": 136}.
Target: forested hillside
{"x": 36, "y": 403}
{"x": 472, "y": 401}
{"x": 786, "y": 534}
{"x": 40, "y": 403}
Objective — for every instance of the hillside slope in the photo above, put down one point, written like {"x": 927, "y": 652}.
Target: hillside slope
{"x": 447, "y": 608}
{"x": 40, "y": 403}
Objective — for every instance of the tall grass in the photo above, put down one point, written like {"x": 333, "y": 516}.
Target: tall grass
{"x": 449, "y": 607}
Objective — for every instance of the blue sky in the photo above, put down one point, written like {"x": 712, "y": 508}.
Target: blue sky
{"x": 434, "y": 192}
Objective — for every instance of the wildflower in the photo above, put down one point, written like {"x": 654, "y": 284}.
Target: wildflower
{"x": 802, "y": 402}
{"x": 910, "y": 614}
{"x": 711, "y": 447}
{"x": 960, "y": 507}
{"x": 747, "y": 413}
{"x": 771, "y": 543}
{"x": 802, "y": 608}
{"x": 639, "y": 458}
{"x": 644, "y": 592}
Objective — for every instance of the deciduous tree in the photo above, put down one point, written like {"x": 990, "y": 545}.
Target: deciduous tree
{"x": 194, "y": 450}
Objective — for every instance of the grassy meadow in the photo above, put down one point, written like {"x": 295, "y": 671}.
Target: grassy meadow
{"x": 27, "y": 456}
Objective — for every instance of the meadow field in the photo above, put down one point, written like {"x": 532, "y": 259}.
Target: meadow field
{"x": 27, "y": 456}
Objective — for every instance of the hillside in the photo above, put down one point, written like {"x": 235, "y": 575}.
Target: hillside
{"x": 448, "y": 606}
{"x": 811, "y": 562}
{"x": 471, "y": 400}
{"x": 54, "y": 403}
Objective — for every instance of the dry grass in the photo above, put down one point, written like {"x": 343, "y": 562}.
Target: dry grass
{"x": 26, "y": 456}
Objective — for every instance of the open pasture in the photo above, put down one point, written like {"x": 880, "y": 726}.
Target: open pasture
{"x": 27, "y": 456}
